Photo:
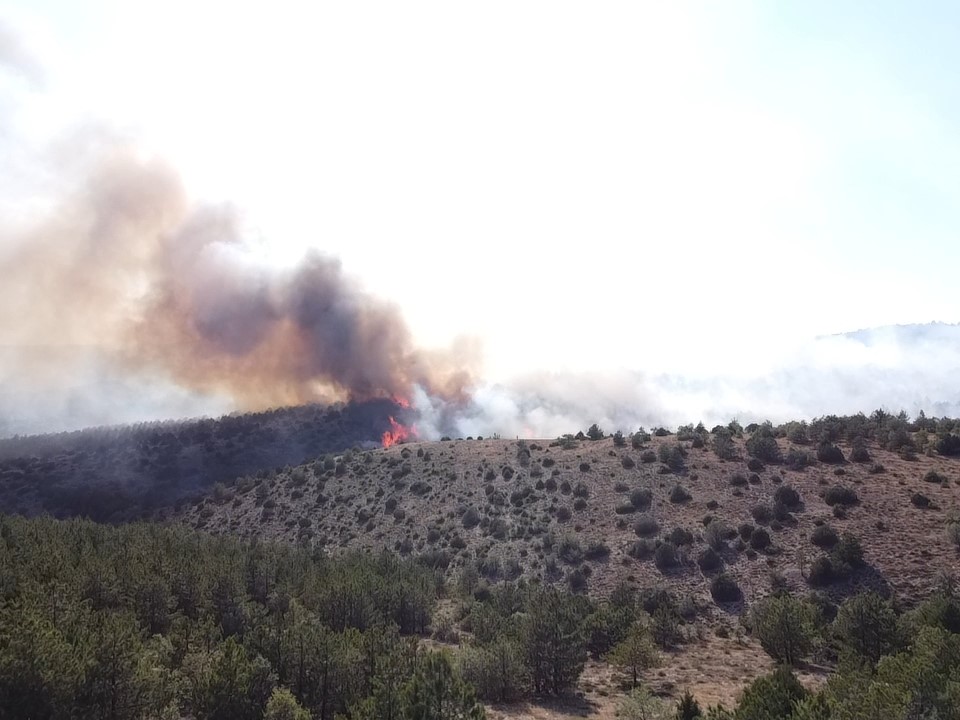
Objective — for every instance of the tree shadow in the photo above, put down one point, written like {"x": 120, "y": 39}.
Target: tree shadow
{"x": 570, "y": 706}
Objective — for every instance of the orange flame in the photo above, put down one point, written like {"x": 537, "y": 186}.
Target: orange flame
{"x": 398, "y": 433}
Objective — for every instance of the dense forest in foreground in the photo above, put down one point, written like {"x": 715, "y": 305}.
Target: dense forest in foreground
{"x": 147, "y": 621}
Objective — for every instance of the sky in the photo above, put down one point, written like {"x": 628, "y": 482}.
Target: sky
{"x": 694, "y": 188}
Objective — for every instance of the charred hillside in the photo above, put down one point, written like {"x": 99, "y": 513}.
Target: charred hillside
{"x": 123, "y": 472}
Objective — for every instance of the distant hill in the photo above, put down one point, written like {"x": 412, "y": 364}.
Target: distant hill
{"x": 122, "y": 472}
{"x": 912, "y": 334}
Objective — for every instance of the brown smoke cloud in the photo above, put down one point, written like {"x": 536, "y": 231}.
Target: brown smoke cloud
{"x": 125, "y": 262}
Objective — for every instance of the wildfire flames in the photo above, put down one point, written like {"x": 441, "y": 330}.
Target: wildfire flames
{"x": 398, "y": 433}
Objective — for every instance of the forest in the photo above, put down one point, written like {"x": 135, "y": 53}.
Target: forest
{"x": 153, "y": 621}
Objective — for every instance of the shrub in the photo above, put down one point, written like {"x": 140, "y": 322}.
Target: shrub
{"x": 824, "y": 537}
{"x": 785, "y": 627}
{"x": 920, "y": 500}
{"x": 627, "y": 462}
{"x": 665, "y": 556}
{"x": 595, "y": 433}
{"x": 841, "y": 495}
{"x": 738, "y": 480}
{"x": 642, "y": 549}
{"x": 788, "y": 496}
{"x": 619, "y": 440}
{"x": 797, "y": 459}
{"x": 716, "y": 534}
{"x": 765, "y": 448}
{"x": 762, "y": 513}
{"x": 829, "y": 453}
{"x": 866, "y": 626}
{"x": 948, "y": 445}
{"x": 596, "y": 550}
{"x": 859, "y": 453}
{"x": 709, "y": 560}
{"x": 821, "y": 572}
{"x": 579, "y": 504}
{"x": 672, "y": 455}
{"x": 679, "y": 494}
{"x": 680, "y": 536}
{"x": 876, "y": 468}
{"x": 569, "y": 550}
{"x": 759, "y": 539}
{"x": 648, "y": 456}
{"x": 953, "y": 532}
{"x": 646, "y": 526}
{"x": 625, "y": 508}
{"x": 745, "y": 530}
{"x": 755, "y": 465}
{"x": 641, "y": 498}
{"x": 724, "y": 588}
{"x": 934, "y": 477}
{"x": 771, "y": 696}
{"x": 846, "y": 555}
{"x": 638, "y": 439}
{"x": 564, "y": 513}
{"x": 723, "y": 445}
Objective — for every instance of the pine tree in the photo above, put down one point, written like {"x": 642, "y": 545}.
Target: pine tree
{"x": 636, "y": 653}
{"x": 553, "y": 641}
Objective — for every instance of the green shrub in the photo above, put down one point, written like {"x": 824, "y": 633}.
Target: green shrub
{"x": 679, "y": 494}
{"x": 569, "y": 550}
{"x": 846, "y": 555}
{"x": 665, "y": 556}
{"x": 771, "y": 696}
{"x": 765, "y": 448}
{"x": 641, "y": 498}
{"x": 824, "y": 537}
{"x": 672, "y": 455}
{"x": 680, "y": 536}
{"x": 724, "y": 588}
{"x": 639, "y": 438}
{"x": 646, "y": 526}
{"x": 829, "y": 453}
{"x": 821, "y": 572}
{"x": 785, "y": 627}
{"x": 648, "y": 456}
{"x": 797, "y": 459}
{"x": 709, "y": 560}
{"x": 933, "y": 476}
{"x": 841, "y": 495}
{"x": 759, "y": 539}
{"x": 596, "y": 550}
{"x": 642, "y": 549}
{"x": 948, "y": 445}
{"x": 762, "y": 513}
{"x": 787, "y": 495}
{"x": 920, "y": 500}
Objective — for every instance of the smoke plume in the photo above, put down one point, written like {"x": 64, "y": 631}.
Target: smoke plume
{"x": 126, "y": 263}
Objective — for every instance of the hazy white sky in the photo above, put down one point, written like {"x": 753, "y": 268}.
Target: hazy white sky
{"x": 635, "y": 185}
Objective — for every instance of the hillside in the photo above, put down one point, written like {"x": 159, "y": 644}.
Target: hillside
{"x": 123, "y": 472}
{"x": 566, "y": 513}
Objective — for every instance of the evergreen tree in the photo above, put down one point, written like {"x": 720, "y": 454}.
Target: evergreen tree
{"x": 553, "y": 641}
{"x": 635, "y": 653}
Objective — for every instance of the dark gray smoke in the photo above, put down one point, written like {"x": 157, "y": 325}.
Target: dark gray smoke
{"x": 125, "y": 263}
